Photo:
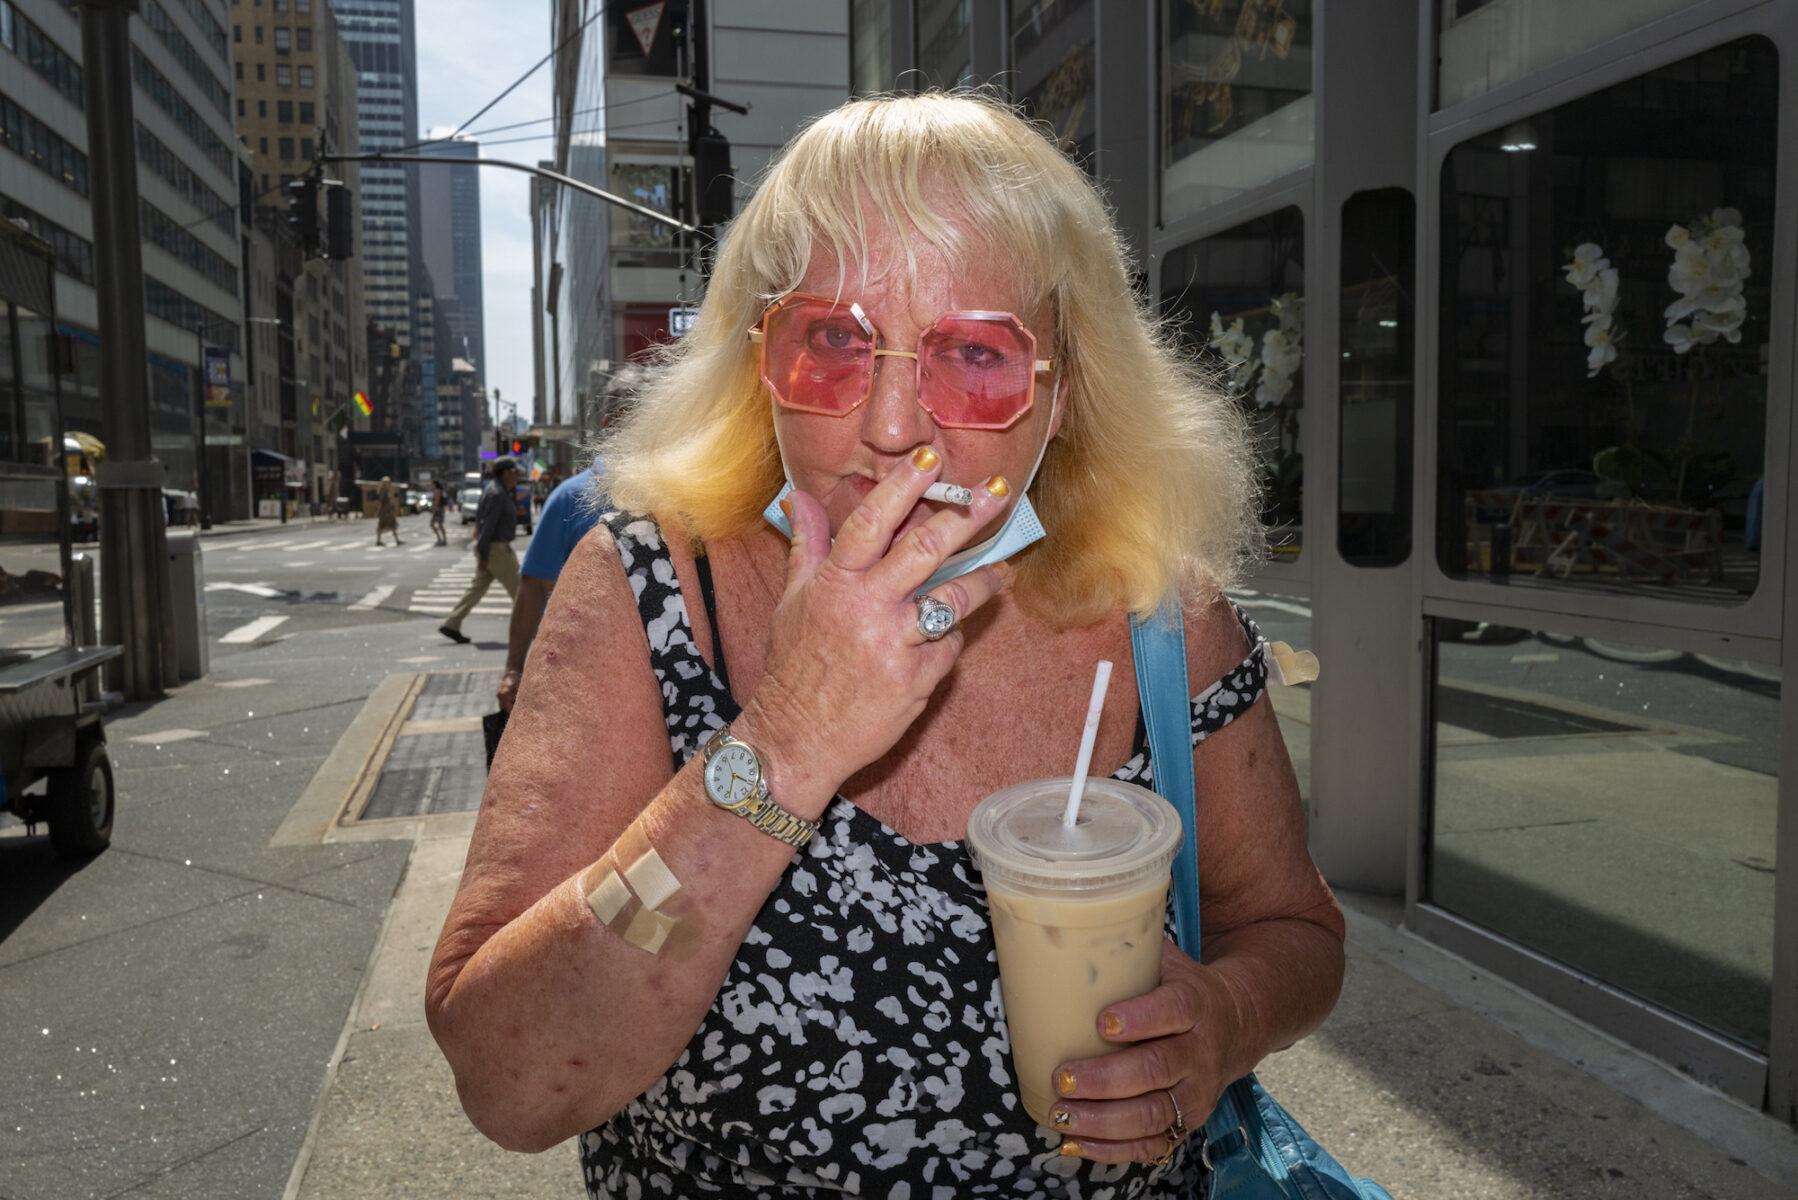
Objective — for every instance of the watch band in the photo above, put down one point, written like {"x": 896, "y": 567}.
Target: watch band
{"x": 759, "y": 809}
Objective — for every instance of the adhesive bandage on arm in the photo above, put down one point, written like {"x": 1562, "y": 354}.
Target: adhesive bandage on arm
{"x": 630, "y": 902}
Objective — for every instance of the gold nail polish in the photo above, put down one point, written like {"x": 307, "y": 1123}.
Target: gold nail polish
{"x": 1005, "y": 571}
{"x": 1071, "y": 1149}
{"x": 1114, "y": 1025}
{"x": 997, "y": 486}
{"x": 1064, "y": 1082}
{"x": 786, "y": 506}
{"x": 923, "y": 458}
{"x": 1061, "y": 1118}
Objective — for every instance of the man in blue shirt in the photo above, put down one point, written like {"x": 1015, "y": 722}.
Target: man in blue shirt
{"x": 570, "y": 512}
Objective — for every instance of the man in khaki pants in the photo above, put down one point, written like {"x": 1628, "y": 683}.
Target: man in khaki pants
{"x": 496, "y": 521}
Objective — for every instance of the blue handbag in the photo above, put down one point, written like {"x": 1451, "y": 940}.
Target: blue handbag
{"x": 1254, "y": 1148}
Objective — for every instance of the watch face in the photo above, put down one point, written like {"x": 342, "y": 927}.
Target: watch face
{"x": 732, "y": 775}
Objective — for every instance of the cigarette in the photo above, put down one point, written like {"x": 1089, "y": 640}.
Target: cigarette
{"x": 949, "y": 493}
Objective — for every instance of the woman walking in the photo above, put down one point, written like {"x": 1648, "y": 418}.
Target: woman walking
{"x": 439, "y": 508}
{"x": 387, "y": 513}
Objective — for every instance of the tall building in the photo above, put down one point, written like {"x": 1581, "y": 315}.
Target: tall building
{"x": 181, "y": 67}
{"x": 607, "y": 279}
{"x": 1506, "y": 294}
{"x": 297, "y": 102}
{"x": 379, "y": 34}
{"x": 450, "y": 233}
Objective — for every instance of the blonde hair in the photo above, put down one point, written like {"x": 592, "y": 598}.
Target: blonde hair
{"x": 1148, "y": 488}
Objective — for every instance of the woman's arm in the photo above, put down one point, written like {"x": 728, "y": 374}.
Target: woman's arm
{"x": 1273, "y": 936}
{"x": 553, "y": 1021}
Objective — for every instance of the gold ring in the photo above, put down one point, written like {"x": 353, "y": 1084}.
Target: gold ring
{"x": 1175, "y": 1133}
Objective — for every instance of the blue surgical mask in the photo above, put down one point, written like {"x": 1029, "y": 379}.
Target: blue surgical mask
{"x": 1021, "y": 528}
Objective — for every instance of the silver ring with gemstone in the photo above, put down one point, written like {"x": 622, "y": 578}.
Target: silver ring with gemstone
{"x": 1175, "y": 1133}
{"x": 935, "y": 619}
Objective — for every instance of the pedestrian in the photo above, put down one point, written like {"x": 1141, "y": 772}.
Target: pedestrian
{"x": 495, "y": 523}
{"x": 636, "y": 955}
{"x": 387, "y": 512}
{"x": 571, "y": 510}
{"x": 439, "y": 509}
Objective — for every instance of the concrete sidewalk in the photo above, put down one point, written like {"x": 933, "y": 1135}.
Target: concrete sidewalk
{"x": 1431, "y": 1076}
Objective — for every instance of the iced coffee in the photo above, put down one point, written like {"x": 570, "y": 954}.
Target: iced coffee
{"x": 1077, "y": 914}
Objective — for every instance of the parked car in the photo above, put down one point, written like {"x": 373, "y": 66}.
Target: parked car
{"x": 470, "y": 504}
{"x": 416, "y": 502}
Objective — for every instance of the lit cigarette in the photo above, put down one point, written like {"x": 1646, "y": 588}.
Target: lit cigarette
{"x": 949, "y": 493}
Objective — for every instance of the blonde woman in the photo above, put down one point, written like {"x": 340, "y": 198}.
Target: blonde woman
{"x": 387, "y": 512}
{"x": 753, "y": 1020}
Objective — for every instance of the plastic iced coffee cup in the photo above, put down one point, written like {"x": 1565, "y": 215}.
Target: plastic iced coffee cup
{"x": 1077, "y": 914}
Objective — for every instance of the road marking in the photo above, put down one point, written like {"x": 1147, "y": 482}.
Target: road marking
{"x": 244, "y": 683}
{"x": 373, "y": 599}
{"x": 254, "y": 589}
{"x": 1535, "y": 658}
{"x": 309, "y": 545}
{"x": 167, "y": 735}
{"x": 422, "y": 658}
{"x": 255, "y": 629}
{"x": 302, "y": 563}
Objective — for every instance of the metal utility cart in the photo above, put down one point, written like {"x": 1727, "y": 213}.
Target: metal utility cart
{"x": 50, "y": 701}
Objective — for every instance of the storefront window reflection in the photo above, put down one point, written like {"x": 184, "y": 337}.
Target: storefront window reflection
{"x": 1236, "y": 98}
{"x": 1485, "y": 43}
{"x": 1606, "y": 287}
{"x": 945, "y": 43}
{"x": 1052, "y": 63}
{"x": 1238, "y": 297}
{"x": 1612, "y": 806}
{"x": 871, "y": 46}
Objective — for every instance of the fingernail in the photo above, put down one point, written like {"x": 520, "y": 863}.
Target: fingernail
{"x": 1114, "y": 1025}
{"x": 1064, "y": 1082}
{"x": 1071, "y": 1149}
{"x": 923, "y": 458}
{"x": 996, "y": 486}
{"x": 786, "y": 507}
{"x": 1061, "y": 1118}
{"x": 1004, "y": 570}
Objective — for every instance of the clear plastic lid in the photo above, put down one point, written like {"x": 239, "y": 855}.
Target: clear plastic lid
{"x": 1124, "y": 833}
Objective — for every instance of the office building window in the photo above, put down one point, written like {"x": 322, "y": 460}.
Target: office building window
{"x": 283, "y": 75}
{"x": 1606, "y": 308}
{"x": 280, "y": 6}
{"x": 259, "y": 35}
{"x": 240, "y": 70}
{"x": 1236, "y": 99}
{"x": 284, "y": 111}
{"x": 262, "y": 145}
{"x": 33, "y": 141}
{"x": 871, "y": 46}
{"x": 305, "y": 77}
{"x": 306, "y": 112}
{"x": 262, "y": 109}
{"x": 241, "y": 107}
{"x": 302, "y": 6}
{"x": 1238, "y": 298}
{"x": 304, "y": 44}
{"x": 283, "y": 40}
{"x": 286, "y": 149}
{"x": 945, "y": 43}
{"x": 261, "y": 73}
{"x": 306, "y": 149}
{"x": 237, "y": 34}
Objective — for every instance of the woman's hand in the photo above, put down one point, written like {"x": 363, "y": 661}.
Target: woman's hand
{"x": 1182, "y": 1037}
{"x": 847, "y": 670}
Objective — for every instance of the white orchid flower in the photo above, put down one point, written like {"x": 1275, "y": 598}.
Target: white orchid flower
{"x": 1680, "y": 338}
{"x": 1598, "y": 328}
{"x": 1272, "y": 389}
{"x": 1725, "y": 216}
{"x": 1678, "y": 236}
{"x": 1708, "y": 326}
{"x": 1588, "y": 261}
{"x": 1601, "y": 290}
{"x": 1599, "y": 357}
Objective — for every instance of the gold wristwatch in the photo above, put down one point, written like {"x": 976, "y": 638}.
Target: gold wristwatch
{"x": 736, "y": 782}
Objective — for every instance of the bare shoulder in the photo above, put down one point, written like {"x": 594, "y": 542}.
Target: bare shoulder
{"x": 1215, "y": 643}
{"x": 586, "y": 747}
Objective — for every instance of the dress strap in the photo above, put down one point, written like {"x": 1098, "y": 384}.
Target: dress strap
{"x": 703, "y": 565}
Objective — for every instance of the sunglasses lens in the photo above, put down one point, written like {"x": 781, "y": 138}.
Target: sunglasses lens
{"x": 816, "y": 357}
{"x": 977, "y": 372}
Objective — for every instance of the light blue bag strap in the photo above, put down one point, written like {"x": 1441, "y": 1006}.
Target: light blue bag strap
{"x": 1159, "y": 643}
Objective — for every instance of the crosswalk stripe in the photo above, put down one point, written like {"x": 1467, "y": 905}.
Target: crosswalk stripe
{"x": 254, "y": 630}
{"x": 373, "y": 599}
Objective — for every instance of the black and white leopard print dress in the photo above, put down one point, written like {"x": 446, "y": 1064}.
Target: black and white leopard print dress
{"x": 858, "y": 1045}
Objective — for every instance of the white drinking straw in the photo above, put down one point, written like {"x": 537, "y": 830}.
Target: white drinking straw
{"x": 1090, "y": 734}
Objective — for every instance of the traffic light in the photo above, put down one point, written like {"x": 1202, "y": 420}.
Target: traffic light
{"x": 517, "y": 447}
{"x": 302, "y": 212}
{"x": 712, "y": 198}
{"x": 340, "y": 241}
